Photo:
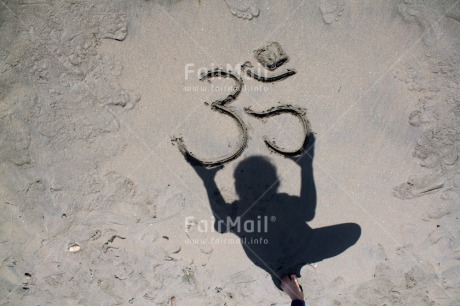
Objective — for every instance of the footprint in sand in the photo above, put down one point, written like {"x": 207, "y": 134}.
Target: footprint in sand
{"x": 425, "y": 17}
{"x": 331, "y": 10}
{"x": 169, "y": 202}
{"x": 245, "y": 9}
{"x": 454, "y": 13}
{"x": 418, "y": 185}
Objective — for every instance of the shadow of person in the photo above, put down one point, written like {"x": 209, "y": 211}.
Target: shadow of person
{"x": 272, "y": 226}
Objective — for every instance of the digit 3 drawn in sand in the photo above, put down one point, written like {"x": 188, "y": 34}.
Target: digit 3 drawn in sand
{"x": 271, "y": 57}
{"x": 220, "y": 106}
{"x": 296, "y": 111}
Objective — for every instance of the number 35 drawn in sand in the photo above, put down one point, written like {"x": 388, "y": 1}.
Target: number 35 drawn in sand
{"x": 271, "y": 57}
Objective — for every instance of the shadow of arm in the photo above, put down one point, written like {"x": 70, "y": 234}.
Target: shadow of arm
{"x": 221, "y": 210}
{"x": 307, "y": 187}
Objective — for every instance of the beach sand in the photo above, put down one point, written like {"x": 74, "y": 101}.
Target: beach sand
{"x": 99, "y": 207}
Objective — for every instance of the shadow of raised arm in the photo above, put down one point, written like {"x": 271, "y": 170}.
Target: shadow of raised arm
{"x": 220, "y": 209}
{"x": 307, "y": 188}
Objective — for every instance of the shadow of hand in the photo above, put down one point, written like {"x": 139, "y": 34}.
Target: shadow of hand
{"x": 308, "y": 152}
{"x": 206, "y": 174}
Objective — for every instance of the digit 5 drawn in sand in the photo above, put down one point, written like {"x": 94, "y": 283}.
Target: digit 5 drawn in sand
{"x": 271, "y": 57}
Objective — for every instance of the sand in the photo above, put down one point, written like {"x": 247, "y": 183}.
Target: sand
{"x": 99, "y": 207}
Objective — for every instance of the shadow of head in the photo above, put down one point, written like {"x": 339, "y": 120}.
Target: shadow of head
{"x": 256, "y": 177}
